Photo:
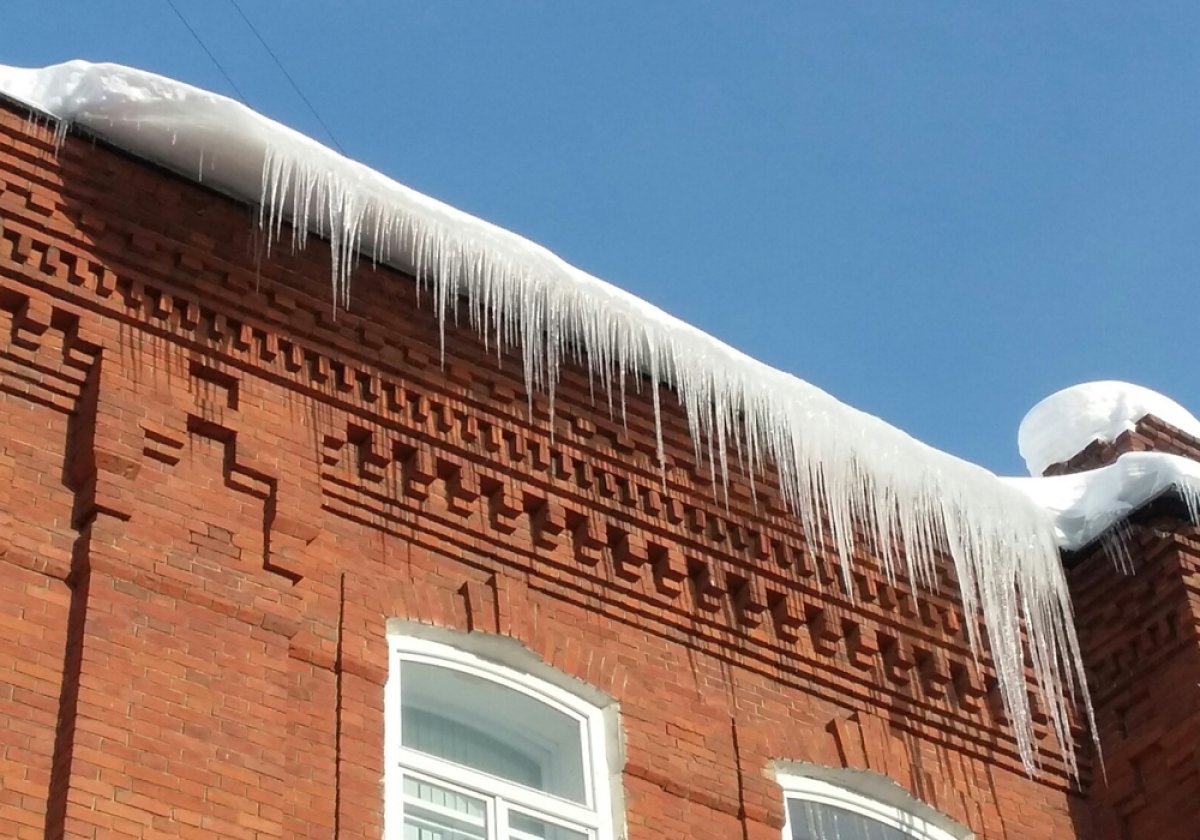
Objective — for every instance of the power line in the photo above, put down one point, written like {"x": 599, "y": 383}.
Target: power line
{"x": 287, "y": 75}
{"x": 275, "y": 58}
{"x": 207, "y": 51}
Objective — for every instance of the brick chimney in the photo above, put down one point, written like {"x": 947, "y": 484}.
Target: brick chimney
{"x": 1140, "y": 635}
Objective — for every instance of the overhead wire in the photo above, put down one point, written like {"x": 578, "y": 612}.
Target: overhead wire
{"x": 270, "y": 52}
{"x": 287, "y": 75}
{"x": 208, "y": 52}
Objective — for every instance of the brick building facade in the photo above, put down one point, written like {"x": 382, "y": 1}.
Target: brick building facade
{"x": 216, "y": 493}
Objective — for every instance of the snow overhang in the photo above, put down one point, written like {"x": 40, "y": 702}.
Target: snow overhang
{"x": 837, "y": 467}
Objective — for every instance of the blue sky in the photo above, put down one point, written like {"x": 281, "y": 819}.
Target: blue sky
{"x": 940, "y": 212}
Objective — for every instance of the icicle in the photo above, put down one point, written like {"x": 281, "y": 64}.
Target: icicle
{"x": 61, "y": 128}
{"x": 835, "y": 466}
{"x": 1191, "y": 497}
{"x": 48, "y": 124}
{"x": 1115, "y": 545}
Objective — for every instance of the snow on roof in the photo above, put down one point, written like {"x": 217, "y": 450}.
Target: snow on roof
{"x": 1085, "y": 506}
{"x": 1088, "y": 506}
{"x": 836, "y": 465}
{"x": 1065, "y": 423}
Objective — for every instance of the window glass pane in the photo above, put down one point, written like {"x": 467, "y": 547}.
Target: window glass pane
{"x": 432, "y": 812}
{"x": 486, "y": 726}
{"x": 525, "y": 827}
{"x": 814, "y": 821}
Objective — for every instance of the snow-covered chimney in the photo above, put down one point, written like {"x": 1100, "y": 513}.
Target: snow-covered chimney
{"x": 1091, "y": 425}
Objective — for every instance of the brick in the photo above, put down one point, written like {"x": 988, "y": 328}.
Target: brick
{"x": 148, "y": 592}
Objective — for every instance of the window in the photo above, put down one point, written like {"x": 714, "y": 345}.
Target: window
{"x": 821, "y": 810}
{"x": 481, "y": 751}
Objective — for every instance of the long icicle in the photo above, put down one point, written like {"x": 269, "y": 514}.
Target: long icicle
{"x": 835, "y": 465}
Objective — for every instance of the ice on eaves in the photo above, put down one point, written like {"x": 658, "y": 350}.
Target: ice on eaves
{"x": 835, "y": 464}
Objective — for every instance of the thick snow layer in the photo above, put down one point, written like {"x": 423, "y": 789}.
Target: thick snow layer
{"x": 1087, "y": 505}
{"x": 1062, "y": 425}
{"x": 835, "y": 464}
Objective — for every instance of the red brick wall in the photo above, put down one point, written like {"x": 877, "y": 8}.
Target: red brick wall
{"x": 220, "y": 491}
{"x": 1141, "y": 640}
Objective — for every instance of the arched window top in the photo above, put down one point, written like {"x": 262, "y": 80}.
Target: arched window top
{"x": 850, "y": 805}
{"x": 481, "y": 750}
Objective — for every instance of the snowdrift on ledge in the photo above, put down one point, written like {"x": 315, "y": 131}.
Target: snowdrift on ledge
{"x": 1091, "y": 506}
{"x": 1086, "y": 506}
{"x": 835, "y": 464}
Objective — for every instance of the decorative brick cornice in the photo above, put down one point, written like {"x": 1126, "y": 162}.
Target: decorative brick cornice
{"x": 443, "y": 449}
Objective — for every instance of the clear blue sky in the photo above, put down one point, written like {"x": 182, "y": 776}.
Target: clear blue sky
{"x": 938, "y": 211}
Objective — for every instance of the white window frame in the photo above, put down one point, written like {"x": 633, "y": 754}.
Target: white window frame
{"x": 891, "y": 814}
{"x": 594, "y": 816}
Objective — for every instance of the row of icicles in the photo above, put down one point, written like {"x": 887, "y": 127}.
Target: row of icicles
{"x": 835, "y": 465}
